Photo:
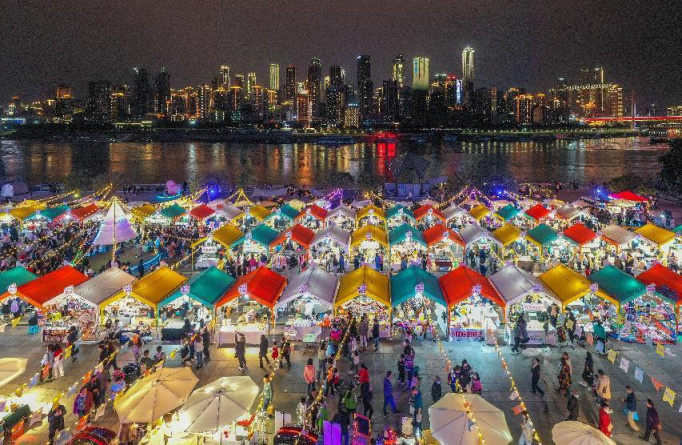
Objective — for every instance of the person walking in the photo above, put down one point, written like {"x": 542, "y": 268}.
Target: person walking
{"x": 366, "y": 395}
{"x": 603, "y": 390}
{"x": 527, "y": 430}
{"x": 573, "y": 406}
{"x": 199, "y": 351}
{"x": 653, "y": 423}
{"x": 55, "y": 420}
{"x": 263, "y": 350}
{"x": 286, "y": 352}
{"x": 350, "y": 400}
{"x": 375, "y": 334}
{"x": 206, "y": 339}
{"x": 417, "y": 406}
{"x": 240, "y": 350}
{"x": 588, "y": 371}
{"x": 58, "y": 362}
{"x": 363, "y": 331}
{"x": 267, "y": 392}
{"x": 388, "y": 394}
{"x": 630, "y": 402}
{"x": 605, "y": 425}
{"x": 322, "y": 361}
{"x": 309, "y": 375}
{"x": 520, "y": 333}
{"x": 436, "y": 390}
{"x": 564, "y": 378}
{"x": 535, "y": 377}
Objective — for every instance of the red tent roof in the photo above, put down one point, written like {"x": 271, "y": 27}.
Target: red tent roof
{"x": 422, "y": 211}
{"x": 262, "y": 285}
{"x": 580, "y": 233}
{"x": 81, "y": 213}
{"x": 436, "y": 234}
{"x": 458, "y": 285}
{"x": 537, "y": 212}
{"x": 662, "y": 277}
{"x": 201, "y": 211}
{"x": 48, "y": 286}
{"x": 627, "y": 195}
{"x": 315, "y": 211}
{"x": 302, "y": 236}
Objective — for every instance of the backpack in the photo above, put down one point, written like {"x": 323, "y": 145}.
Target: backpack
{"x": 350, "y": 401}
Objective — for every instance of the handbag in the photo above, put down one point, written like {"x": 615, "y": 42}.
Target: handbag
{"x": 635, "y": 417}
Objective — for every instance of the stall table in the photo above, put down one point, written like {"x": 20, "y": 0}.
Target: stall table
{"x": 172, "y": 331}
{"x": 251, "y": 334}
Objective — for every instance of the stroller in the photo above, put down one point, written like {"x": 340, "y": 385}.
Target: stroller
{"x": 132, "y": 372}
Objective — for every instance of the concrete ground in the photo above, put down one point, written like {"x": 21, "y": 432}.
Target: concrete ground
{"x": 289, "y": 385}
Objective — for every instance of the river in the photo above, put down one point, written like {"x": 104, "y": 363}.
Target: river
{"x": 308, "y": 164}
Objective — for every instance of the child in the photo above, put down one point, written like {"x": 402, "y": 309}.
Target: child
{"x": 476, "y": 386}
{"x": 356, "y": 363}
{"x": 275, "y": 353}
{"x": 301, "y": 411}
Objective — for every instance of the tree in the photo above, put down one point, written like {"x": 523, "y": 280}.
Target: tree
{"x": 369, "y": 181}
{"x": 671, "y": 173}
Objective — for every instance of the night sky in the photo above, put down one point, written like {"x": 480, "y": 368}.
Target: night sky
{"x": 518, "y": 43}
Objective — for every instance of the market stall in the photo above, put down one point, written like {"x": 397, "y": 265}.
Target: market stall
{"x": 257, "y": 243}
{"x": 292, "y": 244}
{"x": 474, "y": 306}
{"x": 538, "y": 213}
{"x": 194, "y": 301}
{"x": 53, "y": 293}
{"x": 10, "y": 282}
{"x": 659, "y": 242}
{"x": 248, "y": 306}
{"x": 172, "y": 213}
{"x": 136, "y": 305}
{"x": 202, "y": 212}
{"x": 642, "y": 312}
{"x": 542, "y": 237}
{"x": 445, "y": 247}
{"x": 368, "y": 243}
{"x": 141, "y": 213}
{"x": 511, "y": 215}
{"x": 80, "y": 214}
{"x": 510, "y": 241}
{"x": 230, "y": 213}
{"x": 477, "y": 239}
{"x": 618, "y": 237}
{"x": 228, "y": 235}
{"x": 306, "y": 303}
{"x": 328, "y": 247}
{"x": 23, "y": 212}
{"x": 365, "y": 291}
{"x": 312, "y": 217}
{"x": 568, "y": 213}
{"x": 406, "y": 247}
{"x": 418, "y": 303}
{"x": 370, "y": 215}
{"x": 626, "y": 202}
{"x": 253, "y": 216}
{"x": 282, "y": 217}
{"x": 667, "y": 284}
{"x": 457, "y": 218}
{"x": 397, "y": 215}
{"x": 479, "y": 213}
{"x": 581, "y": 236}
{"x": 428, "y": 216}
{"x": 524, "y": 294}
{"x": 343, "y": 217}
{"x": 50, "y": 213}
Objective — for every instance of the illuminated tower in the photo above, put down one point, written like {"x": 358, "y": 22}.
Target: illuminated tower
{"x": 250, "y": 82}
{"x": 468, "y": 74}
{"x": 239, "y": 81}
{"x": 224, "y": 77}
{"x": 398, "y": 72}
{"x": 162, "y": 92}
{"x": 365, "y": 86}
{"x": 290, "y": 83}
{"x": 420, "y": 73}
{"x": 314, "y": 82}
{"x": 274, "y": 76}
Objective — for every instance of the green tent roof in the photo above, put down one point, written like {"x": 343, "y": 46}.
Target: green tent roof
{"x": 508, "y": 212}
{"x": 400, "y": 234}
{"x": 17, "y": 275}
{"x": 395, "y": 210}
{"x": 206, "y": 288}
{"x": 262, "y": 235}
{"x": 678, "y": 229}
{"x": 542, "y": 234}
{"x": 285, "y": 211}
{"x": 617, "y": 284}
{"x": 404, "y": 286}
{"x": 51, "y": 212}
{"x": 173, "y": 211}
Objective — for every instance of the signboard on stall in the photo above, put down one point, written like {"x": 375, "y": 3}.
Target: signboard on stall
{"x": 465, "y": 334}
{"x": 533, "y": 307}
{"x": 12, "y": 289}
{"x": 209, "y": 250}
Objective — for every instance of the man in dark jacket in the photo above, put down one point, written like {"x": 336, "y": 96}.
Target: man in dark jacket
{"x": 341, "y": 417}
{"x": 653, "y": 424}
{"x": 55, "y": 420}
{"x": 263, "y": 350}
{"x": 573, "y": 408}
{"x": 436, "y": 390}
{"x": 240, "y": 350}
{"x": 630, "y": 401}
{"x": 375, "y": 334}
{"x": 367, "y": 395}
{"x": 535, "y": 378}
{"x": 206, "y": 340}
{"x": 388, "y": 394}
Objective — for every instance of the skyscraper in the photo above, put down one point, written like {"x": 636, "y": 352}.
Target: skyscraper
{"x": 398, "y": 71}
{"x": 204, "y": 94}
{"x": 390, "y": 100}
{"x": 239, "y": 81}
{"x": 420, "y": 73}
{"x": 365, "y": 87}
{"x": 303, "y": 108}
{"x": 274, "y": 76}
{"x": 162, "y": 92}
{"x": 336, "y": 76}
{"x": 250, "y": 82}
{"x": 224, "y": 77}
{"x": 142, "y": 95}
{"x": 290, "y": 83}
{"x": 99, "y": 100}
{"x": 468, "y": 74}
{"x": 314, "y": 83}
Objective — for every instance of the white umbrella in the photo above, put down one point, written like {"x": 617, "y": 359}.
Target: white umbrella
{"x": 11, "y": 368}
{"x": 451, "y": 425}
{"x": 212, "y": 407}
{"x": 155, "y": 395}
{"x": 578, "y": 433}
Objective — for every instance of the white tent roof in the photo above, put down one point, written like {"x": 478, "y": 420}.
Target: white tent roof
{"x": 429, "y": 202}
{"x": 341, "y": 210}
{"x": 512, "y": 282}
{"x": 618, "y": 234}
{"x": 315, "y": 282}
{"x": 473, "y": 233}
{"x": 452, "y": 211}
{"x": 568, "y": 212}
{"x": 581, "y": 203}
{"x": 229, "y": 211}
{"x": 104, "y": 285}
{"x": 360, "y": 204}
{"x": 269, "y": 192}
{"x": 335, "y": 233}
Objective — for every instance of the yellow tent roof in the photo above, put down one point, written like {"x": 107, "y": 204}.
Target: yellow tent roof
{"x": 297, "y": 204}
{"x": 376, "y": 283}
{"x": 656, "y": 234}
{"x": 153, "y": 288}
{"x": 370, "y": 209}
{"x": 21, "y": 213}
{"x": 259, "y": 212}
{"x": 227, "y": 234}
{"x": 569, "y": 285}
{"x": 144, "y": 211}
{"x": 479, "y": 212}
{"x": 373, "y": 233}
{"x": 507, "y": 234}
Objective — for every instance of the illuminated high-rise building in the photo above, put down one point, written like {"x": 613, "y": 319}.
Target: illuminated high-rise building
{"x": 119, "y": 106}
{"x": 142, "y": 95}
{"x": 290, "y": 83}
{"x": 204, "y": 96}
{"x": 162, "y": 92}
{"x": 390, "y": 103}
{"x": 224, "y": 77}
{"x": 336, "y": 76}
{"x": 250, "y": 82}
{"x": 235, "y": 97}
{"x": 398, "y": 70}
{"x": 314, "y": 84}
{"x": 239, "y": 81}
{"x": 274, "y": 76}
{"x": 468, "y": 75}
{"x": 420, "y": 73}
{"x": 365, "y": 86}
{"x": 99, "y": 100}
{"x": 64, "y": 92}
{"x": 304, "y": 109}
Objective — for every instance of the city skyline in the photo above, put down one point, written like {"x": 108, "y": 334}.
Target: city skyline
{"x": 636, "y": 43}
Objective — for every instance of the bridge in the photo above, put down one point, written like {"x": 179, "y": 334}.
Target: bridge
{"x": 630, "y": 119}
